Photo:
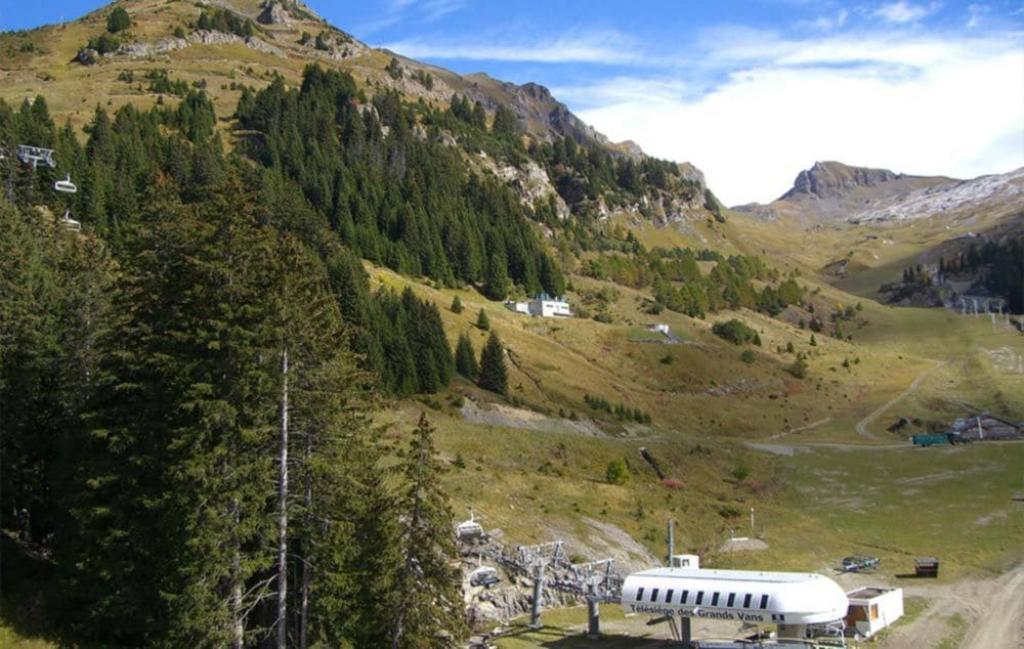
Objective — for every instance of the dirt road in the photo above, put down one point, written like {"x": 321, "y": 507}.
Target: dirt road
{"x": 862, "y": 425}
{"x": 992, "y": 608}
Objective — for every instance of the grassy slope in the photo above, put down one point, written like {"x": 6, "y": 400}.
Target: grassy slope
{"x": 535, "y": 485}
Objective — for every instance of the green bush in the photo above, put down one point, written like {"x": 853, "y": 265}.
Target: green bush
{"x": 748, "y": 356}
{"x": 617, "y": 472}
{"x": 118, "y": 20}
{"x": 741, "y": 472}
{"x": 736, "y": 332}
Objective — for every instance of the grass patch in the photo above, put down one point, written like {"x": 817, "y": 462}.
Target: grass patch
{"x": 957, "y": 631}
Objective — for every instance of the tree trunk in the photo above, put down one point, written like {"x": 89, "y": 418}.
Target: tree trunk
{"x": 406, "y": 579}
{"x": 306, "y": 568}
{"x": 282, "y": 502}
{"x": 238, "y": 623}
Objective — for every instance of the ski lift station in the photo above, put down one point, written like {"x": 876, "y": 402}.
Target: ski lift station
{"x": 802, "y": 605}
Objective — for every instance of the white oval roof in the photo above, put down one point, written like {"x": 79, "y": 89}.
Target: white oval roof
{"x": 774, "y": 597}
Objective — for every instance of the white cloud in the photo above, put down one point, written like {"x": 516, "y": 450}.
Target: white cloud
{"x": 976, "y": 15}
{"x": 827, "y": 23}
{"x": 927, "y": 106}
{"x": 605, "y": 47}
{"x": 906, "y": 12}
{"x": 398, "y": 10}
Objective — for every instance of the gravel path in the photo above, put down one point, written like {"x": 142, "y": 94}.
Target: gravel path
{"x": 862, "y": 425}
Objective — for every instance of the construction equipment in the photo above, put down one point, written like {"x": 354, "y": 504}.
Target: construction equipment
{"x": 859, "y": 563}
{"x": 937, "y": 439}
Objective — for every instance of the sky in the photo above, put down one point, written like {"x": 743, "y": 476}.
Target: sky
{"x": 749, "y": 91}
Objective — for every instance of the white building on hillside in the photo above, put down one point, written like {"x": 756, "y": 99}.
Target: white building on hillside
{"x": 518, "y": 307}
{"x": 542, "y": 305}
{"x": 547, "y": 306}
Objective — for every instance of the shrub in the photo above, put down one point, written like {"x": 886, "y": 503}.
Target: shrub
{"x": 798, "y": 368}
{"x": 736, "y": 332}
{"x": 747, "y": 356}
{"x": 394, "y": 69}
{"x": 667, "y": 359}
{"x": 104, "y": 44}
{"x": 118, "y": 20}
{"x": 728, "y": 511}
{"x": 741, "y": 472}
{"x": 617, "y": 472}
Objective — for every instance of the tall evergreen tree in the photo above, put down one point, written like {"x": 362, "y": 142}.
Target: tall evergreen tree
{"x": 428, "y": 604}
{"x": 465, "y": 358}
{"x": 493, "y": 374}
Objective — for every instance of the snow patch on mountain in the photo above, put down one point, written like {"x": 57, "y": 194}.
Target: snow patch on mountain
{"x": 947, "y": 198}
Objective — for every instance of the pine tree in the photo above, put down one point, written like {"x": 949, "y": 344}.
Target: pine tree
{"x": 456, "y": 305}
{"x": 465, "y": 358}
{"x": 428, "y": 604}
{"x": 482, "y": 321}
{"x": 493, "y": 374}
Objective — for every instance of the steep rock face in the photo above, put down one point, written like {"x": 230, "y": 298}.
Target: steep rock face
{"x": 539, "y": 113}
{"x": 833, "y": 179}
{"x": 274, "y": 13}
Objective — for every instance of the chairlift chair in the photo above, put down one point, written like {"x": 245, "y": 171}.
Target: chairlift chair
{"x": 33, "y": 155}
{"x": 469, "y": 528}
{"x": 65, "y": 186}
{"x": 69, "y": 223}
{"x": 484, "y": 576}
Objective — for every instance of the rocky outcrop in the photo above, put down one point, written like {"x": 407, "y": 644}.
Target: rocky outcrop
{"x": 142, "y": 49}
{"x": 833, "y": 179}
{"x": 533, "y": 185}
{"x": 274, "y": 13}
{"x": 87, "y": 56}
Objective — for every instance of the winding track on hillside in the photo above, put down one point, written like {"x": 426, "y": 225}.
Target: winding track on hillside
{"x": 862, "y": 425}
{"x": 993, "y": 607}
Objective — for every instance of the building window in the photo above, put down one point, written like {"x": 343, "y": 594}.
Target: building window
{"x": 654, "y": 595}
{"x": 700, "y": 597}
{"x": 639, "y": 593}
{"x": 668, "y": 596}
{"x": 714, "y": 599}
{"x": 746, "y": 600}
{"x": 731, "y": 600}
{"x": 686, "y": 594}
{"x": 764, "y": 601}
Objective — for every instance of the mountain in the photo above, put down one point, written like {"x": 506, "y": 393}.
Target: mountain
{"x": 71, "y": 63}
{"x": 833, "y": 191}
{"x": 834, "y": 179}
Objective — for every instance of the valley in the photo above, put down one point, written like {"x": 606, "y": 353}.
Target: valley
{"x": 259, "y": 184}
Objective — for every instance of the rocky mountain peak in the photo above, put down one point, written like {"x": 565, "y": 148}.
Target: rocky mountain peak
{"x": 833, "y": 179}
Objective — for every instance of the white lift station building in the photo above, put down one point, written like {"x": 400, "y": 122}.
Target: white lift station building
{"x": 798, "y": 603}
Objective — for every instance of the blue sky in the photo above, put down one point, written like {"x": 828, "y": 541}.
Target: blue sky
{"x": 750, "y": 91}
